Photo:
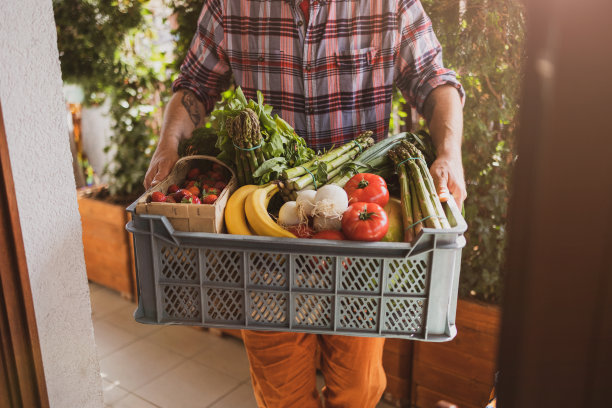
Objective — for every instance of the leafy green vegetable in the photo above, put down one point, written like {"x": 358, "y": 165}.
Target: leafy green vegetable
{"x": 279, "y": 139}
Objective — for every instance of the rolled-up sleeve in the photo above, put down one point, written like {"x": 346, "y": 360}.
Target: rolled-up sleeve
{"x": 419, "y": 68}
{"x": 206, "y": 70}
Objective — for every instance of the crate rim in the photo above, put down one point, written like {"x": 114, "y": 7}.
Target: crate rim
{"x": 304, "y": 245}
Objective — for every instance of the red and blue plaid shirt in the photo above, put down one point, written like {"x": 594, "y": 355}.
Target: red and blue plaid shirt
{"x": 329, "y": 75}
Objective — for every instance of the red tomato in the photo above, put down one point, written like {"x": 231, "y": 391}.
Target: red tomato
{"x": 365, "y": 222}
{"x": 329, "y": 234}
{"x": 367, "y": 188}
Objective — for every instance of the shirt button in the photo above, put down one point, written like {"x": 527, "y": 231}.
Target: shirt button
{"x": 299, "y": 23}
{"x": 261, "y": 58}
{"x": 311, "y": 110}
{"x": 308, "y": 67}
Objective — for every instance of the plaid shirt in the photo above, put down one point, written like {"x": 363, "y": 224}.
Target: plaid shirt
{"x": 331, "y": 78}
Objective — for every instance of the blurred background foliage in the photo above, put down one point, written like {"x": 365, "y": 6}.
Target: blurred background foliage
{"x": 482, "y": 40}
{"x": 110, "y": 49}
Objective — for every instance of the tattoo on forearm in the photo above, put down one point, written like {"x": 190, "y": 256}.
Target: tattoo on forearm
{"x": 191, "y": 106}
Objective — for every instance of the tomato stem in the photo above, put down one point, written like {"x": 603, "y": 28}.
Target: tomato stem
{"x": 363, "y": 183}
{"x": 364, "y": 215}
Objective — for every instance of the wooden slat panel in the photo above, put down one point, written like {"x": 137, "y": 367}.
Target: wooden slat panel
{"x": 111, "y": 213}
{"x": 398, "y": 388}
{"x": 397, "y": 364}
{"x": 478, "y": 316}
{"x": 109, "y": 238}
{"x": 20, "y": 355}
{"x": 448, "y": 358}
{"x": 473, "y": 342}
{"x": 399, "y": 346}
{"x": 107, "y": 245}
{"x": 426, "y": 398}
{"x": 446, "y": 383}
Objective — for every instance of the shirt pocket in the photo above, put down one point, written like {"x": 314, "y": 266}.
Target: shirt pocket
{"x": 359, "y": 71}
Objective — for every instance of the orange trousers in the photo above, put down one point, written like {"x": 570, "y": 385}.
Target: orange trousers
{"x": 283, "y": 369}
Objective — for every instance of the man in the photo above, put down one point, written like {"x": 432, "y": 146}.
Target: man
{"x": 328, "y": 68}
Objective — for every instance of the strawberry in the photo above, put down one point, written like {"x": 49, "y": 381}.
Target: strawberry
{"x": 220, "y": 185}
{"x": 179, "y": 195}
{"x": 173, "y": 189}
{"x": 190, "y": 184}
{"x": 218, "y": 168}
{"x": 170, "y": 199}
{"x": 158, "y": 197}
{"x": 213, "y": 191}
{"x": 191, "y": 200}
{"x": 215, "y": 175}
{"x": 194, "y": 190}
{"x": 209, "y": 199}
{"x": 193, "y": 174}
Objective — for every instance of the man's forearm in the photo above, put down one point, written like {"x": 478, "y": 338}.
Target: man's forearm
{"x": 444, "y": 115}
{"x": 183, "y": 114}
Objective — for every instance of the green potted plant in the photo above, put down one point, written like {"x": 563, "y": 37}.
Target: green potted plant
{"x": 483, "y": 41}
{"x": 110, "y": 51}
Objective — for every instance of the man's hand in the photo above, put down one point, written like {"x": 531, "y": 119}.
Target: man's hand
{"x": 447, "y": 173}
{"x": 183, "y": 114}
{"x": 161, "y": 164}
{"x": 443, "y": 112}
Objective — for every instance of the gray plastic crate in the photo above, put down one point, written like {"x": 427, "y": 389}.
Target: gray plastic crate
{"x": 316, "y": 286}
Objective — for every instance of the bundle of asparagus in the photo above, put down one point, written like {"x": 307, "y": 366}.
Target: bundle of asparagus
{"x": 246, "y": 136}
{"x": 420, "y": 202}
{"x": 322, "y": 168}
{"x": 256, "y": 143}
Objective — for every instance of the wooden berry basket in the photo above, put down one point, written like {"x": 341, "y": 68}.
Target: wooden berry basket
{"x": 189, "y": 217}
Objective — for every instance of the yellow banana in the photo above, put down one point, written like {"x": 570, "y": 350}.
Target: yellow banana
{"x": 235, "y": 218}
{"x": 256, "y": 208}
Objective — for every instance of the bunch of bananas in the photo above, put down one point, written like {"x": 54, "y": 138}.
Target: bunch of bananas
{"x": 246, "y": 212}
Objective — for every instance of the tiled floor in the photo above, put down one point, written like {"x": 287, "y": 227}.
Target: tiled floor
{"x": 146, "y": 366}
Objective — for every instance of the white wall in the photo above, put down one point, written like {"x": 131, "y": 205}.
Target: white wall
{"x": 35, "y": 122}
{"x": 96, "y": 127}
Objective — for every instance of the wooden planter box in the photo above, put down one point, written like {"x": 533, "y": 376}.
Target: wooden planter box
{"x": 397, "y": 361}
{"x": 108, "y": 247}
{"x": 461, "y": 371}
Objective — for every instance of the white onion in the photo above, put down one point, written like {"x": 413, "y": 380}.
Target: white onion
{"x": 305, "y": 203}
{"x": 288, "y": 214}
{"x": 331, "y": 202}
{"x": 324, "y": 223}
{"x": 332, "y": 198}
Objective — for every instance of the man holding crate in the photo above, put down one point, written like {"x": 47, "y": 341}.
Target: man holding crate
{"x": 328, "y": 68}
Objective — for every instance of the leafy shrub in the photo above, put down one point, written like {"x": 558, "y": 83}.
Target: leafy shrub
{"x": 482, "y": 41}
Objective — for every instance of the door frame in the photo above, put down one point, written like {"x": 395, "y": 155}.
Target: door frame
{"x": 22, "y": 379}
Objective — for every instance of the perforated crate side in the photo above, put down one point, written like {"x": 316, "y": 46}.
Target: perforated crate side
{"x": 268, "y": 309}
{"x": 364, "y": 289}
